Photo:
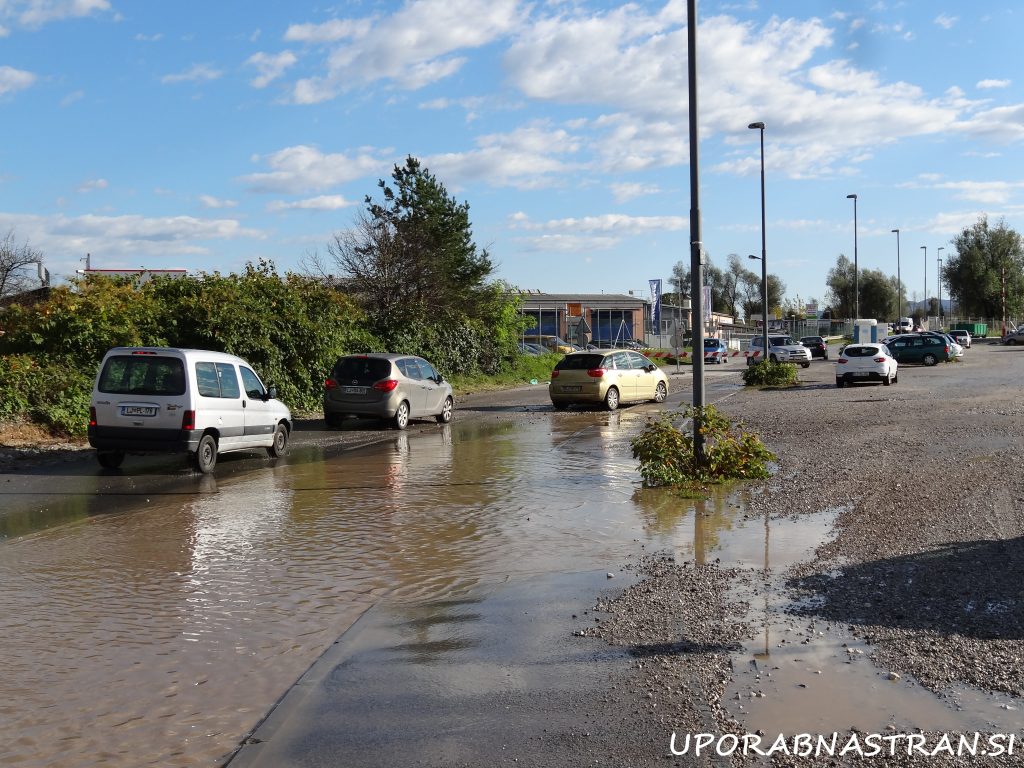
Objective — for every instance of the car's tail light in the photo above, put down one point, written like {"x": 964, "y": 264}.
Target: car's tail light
{"x": 841, "y": 361}
{"x": 554, "y": 374}
{"x": 879, "y": 359}
{"x": 947, "y": 349}
{"x": 92, "y": 416}
{"x": 386, "y": 385}
{"x": 188, "y": 421}
{"x": 330, "y": 384}
{"x": 595, "y": 373}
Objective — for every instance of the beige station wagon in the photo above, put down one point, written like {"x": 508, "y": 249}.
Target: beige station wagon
{"x": 607, "y": 377}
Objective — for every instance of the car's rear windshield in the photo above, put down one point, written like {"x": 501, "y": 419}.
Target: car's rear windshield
{"x": 852, "y": 351}
{"x": 811, "y": 340}
{"x": 579, "y": 362}
{"x": 142, "y": 375}
{"x": 362, "y": 371}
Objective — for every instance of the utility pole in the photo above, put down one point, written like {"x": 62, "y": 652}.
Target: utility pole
{"x": 696, "y": 246}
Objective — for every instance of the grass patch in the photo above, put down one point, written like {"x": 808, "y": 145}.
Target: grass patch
{"x": 527, "y": 368}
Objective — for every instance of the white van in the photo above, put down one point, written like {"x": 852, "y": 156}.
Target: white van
{"x": 165, "y": 400}
{"x": 905, "y": 325}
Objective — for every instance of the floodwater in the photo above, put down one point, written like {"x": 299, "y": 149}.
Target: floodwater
{"x": 154, "y": 617}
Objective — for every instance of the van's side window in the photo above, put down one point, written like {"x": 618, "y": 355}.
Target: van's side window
{"x": 206, "y": 379}
{"x": 228, "y": 381}
{"x": 251, "y": 382}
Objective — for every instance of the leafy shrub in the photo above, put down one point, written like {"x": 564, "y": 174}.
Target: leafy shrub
{"x": 54, "y": 392}
{"x": 770, "y": 374}
{"x": 667, "y": 458}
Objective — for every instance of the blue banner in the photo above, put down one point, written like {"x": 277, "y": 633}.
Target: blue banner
{"x": 655, "y": 305}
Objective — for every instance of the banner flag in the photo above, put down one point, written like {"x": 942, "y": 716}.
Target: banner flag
{"x": 655, "y": 304}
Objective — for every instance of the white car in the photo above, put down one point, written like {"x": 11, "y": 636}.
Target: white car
{"x": 781, "y": 349}
{"x": 865, "y": 362}
{"x": 962, "y": 337}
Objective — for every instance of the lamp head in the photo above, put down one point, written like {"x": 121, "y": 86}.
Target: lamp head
{"x": 756, "y": 125}
{"x": 851, "y": 197}
{"x": 752, "y": 256}
{"x": 896, "y": 231}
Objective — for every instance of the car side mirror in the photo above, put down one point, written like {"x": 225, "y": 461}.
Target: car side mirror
{"x": 650, "y": 368}
{"x": 271, "y": 394}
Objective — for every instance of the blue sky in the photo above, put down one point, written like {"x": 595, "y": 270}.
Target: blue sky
{"x": 206, "y": 135}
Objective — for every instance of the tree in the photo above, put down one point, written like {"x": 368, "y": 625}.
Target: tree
{"x": 877, "y": 295}
{"x": 988, "y": 265}
{"x": 16, "y": 265}
{"x": 737, "y": 279}
{"x": 680, "y": 282}
{"x": 840, "y": 287}
{"x": 412, "y": 256}
{"x": 776, "y": 292}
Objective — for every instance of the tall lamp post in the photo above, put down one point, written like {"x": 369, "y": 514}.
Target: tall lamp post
{"x": 899, "y": 282}
{"x": 856, "y": 274}
{"x": 938, "y": 279}
{"x": 925, "y": 249}
{"x": 764, "y": 259}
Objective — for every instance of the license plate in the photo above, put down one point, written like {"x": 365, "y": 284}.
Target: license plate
{"x": 354, "y": 390}
{"x": 860, "y": 373}
{"x": 571, "y": 389}
{"x": 138, "y": 410}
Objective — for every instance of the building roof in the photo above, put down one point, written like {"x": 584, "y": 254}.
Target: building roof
{"x": 537, "y": 297}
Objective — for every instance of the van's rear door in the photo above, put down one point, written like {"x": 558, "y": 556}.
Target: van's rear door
{"x": 140, "y": 397}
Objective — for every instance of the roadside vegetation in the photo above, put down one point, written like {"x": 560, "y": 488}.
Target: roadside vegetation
{"x": 667, "y": 457}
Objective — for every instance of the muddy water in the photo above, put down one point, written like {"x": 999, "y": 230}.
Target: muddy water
{"x": 167, "y": 613}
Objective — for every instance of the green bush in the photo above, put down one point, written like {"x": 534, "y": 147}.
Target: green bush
{"x": 770, "y": 374}
{"x": 667, "y": 458}
{"x": 54, "y": 393}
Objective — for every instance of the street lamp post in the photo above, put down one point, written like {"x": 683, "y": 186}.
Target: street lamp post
{"x": 764, "y": 259}
{"x": 899, "y": 282}
{"x": 938, "y": 279}
{"x": 764, "y": 301}
{"x": 856, "y": 274}
{"x": 925, "y": 249}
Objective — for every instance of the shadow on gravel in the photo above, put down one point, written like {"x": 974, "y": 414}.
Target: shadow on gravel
{"x": 974, "y": 589}
{"x": 681, "y": 648}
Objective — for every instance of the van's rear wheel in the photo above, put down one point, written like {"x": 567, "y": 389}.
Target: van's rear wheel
{"x": 205, "y": 457}
{"x": 110, "y": 459}
{"x": 611, "y": 399}
{"x": 280, "y": 446}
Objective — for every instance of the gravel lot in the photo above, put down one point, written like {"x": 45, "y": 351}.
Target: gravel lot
{"x": 927, "y": 564}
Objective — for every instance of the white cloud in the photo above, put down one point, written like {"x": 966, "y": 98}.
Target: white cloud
{"x": 625, "y": 191}
{"x": 270, "y": 66}
{"x": 989, "y": 84}
{"x": 35, "y": 13}
{"x": 149, "y": 38}
{"x": 605, "y": 224}
{"x": 1002, "y": 124}
{"x": 986, "y": 192}
{"x": 197, "y": 73}
{"x": 72, "y": 97}
{"x": 529, "y": 157}
{"x": 4, "y": 31}
{"x": 92, "y": 185}
{"x": 300, "y": 169}
{"x": 413, "y": 47}
{"x": 124, "y": 237}
{"x": 13, "y": 80}
{"x": 568, "y": 243}
{"x": 209, "y": 201}
{"x": 946, "y": 22}
{"x": 320, "y": 203}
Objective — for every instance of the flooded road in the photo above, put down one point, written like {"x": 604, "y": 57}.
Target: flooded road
{"x": 156, "y": 617}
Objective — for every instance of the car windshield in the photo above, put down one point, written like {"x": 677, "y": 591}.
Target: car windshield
{"x": 579, "y": 362}
{"x": 362, "y": 371}
{"x": 711, "y": 342}
{"x": 859, "y": 351}
{"x": 781, "y": 341}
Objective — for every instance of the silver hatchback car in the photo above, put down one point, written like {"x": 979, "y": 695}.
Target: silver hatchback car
{"x": 386, "y": 386}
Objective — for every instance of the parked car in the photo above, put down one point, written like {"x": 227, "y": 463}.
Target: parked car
{"x": 866, "y": 362}
{"x": 955, "y": 350}
{"x": 387, "y": 386}
{"x": 961, "y": 337}
{"x": 607, "y": 377}
{"x": 715, "y": 351}
{"x": 781, "y": 349}
{"x": 531, "y": 349}
{"x": 1012, "y": 338}
{"x": 817, "y": 345}
{"x": 169, "y": 400}
{"x": 919, "y": 348}
{"x": 550, "y": 343}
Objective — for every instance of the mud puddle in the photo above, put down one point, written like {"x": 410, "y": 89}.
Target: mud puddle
{"x": 800, "y": 675}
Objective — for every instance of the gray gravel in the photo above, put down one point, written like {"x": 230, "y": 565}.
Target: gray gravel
{"x": 927, "y": 561}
